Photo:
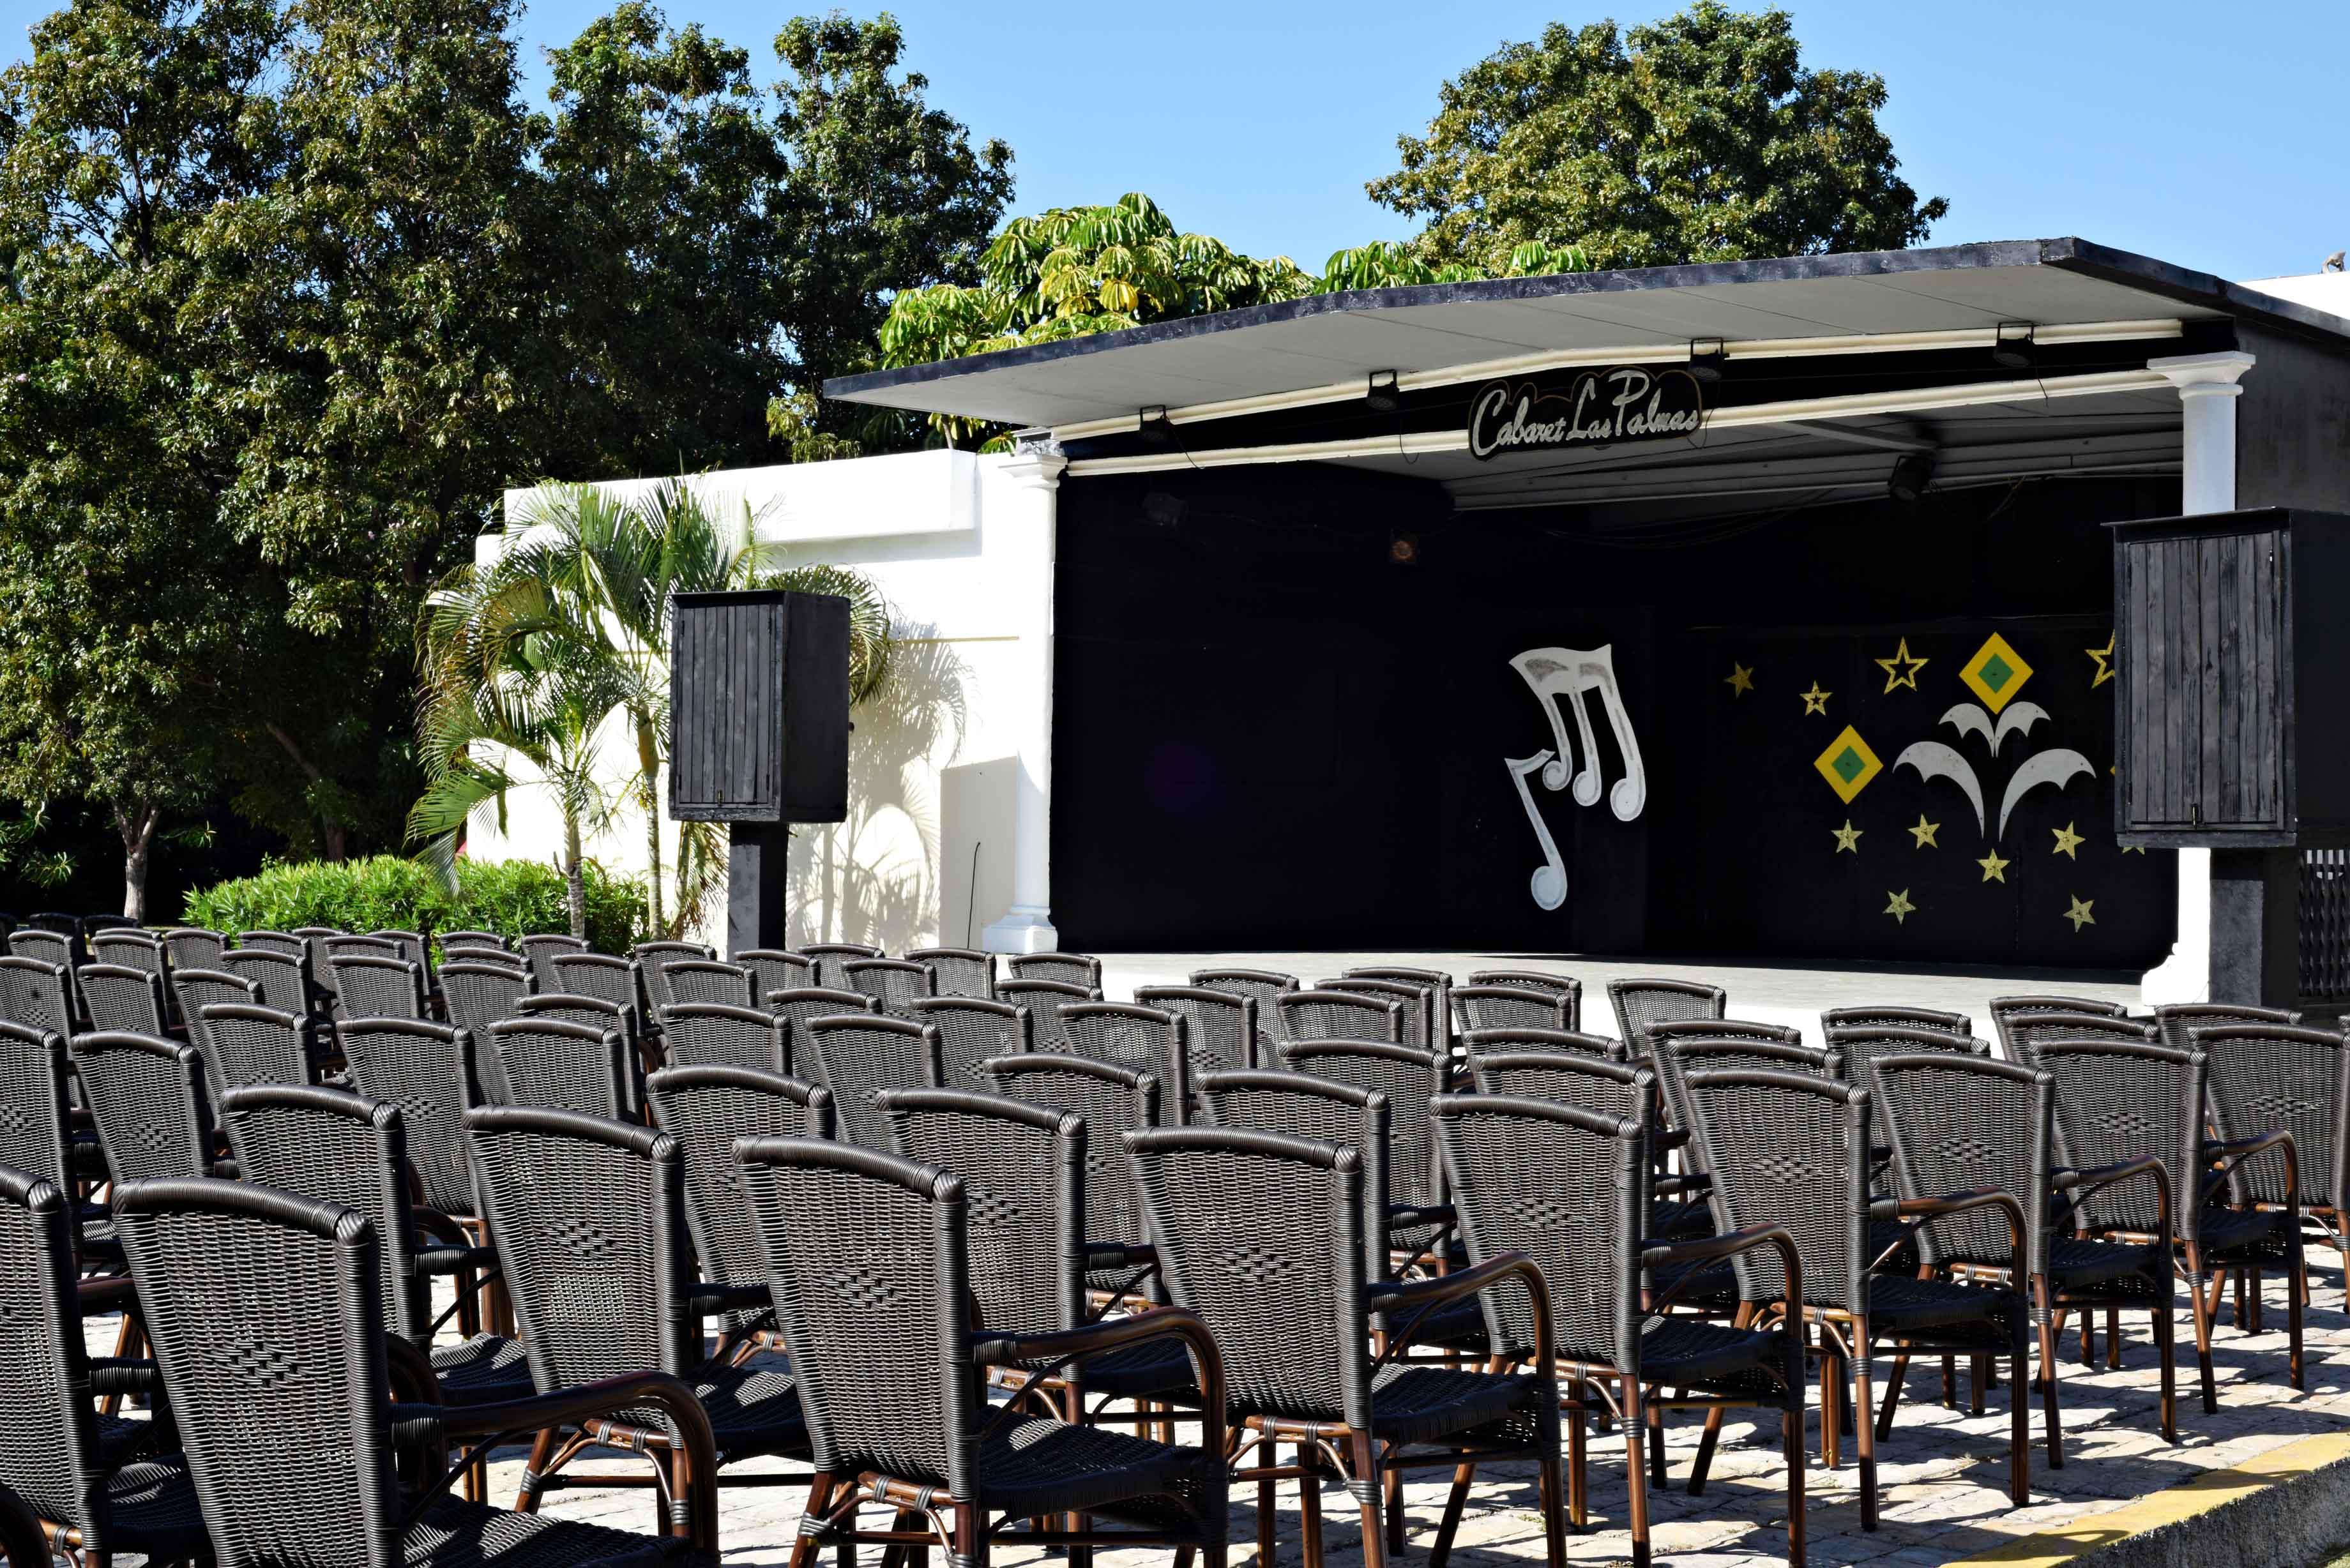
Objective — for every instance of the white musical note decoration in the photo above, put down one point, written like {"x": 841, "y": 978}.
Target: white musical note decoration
{"x": 1561, "y": 680}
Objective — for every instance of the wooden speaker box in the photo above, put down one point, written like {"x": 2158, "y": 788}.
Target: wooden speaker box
{"x": 2232, "y": 653}
{"x": 759, "y": 708}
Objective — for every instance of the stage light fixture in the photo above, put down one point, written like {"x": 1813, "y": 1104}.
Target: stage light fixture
{"x": 2011, "y": 346}
{"x": 1403, "y": 549}
{"x": 1155, "y": 427}
{"x": 1709, "y": 357}
{"x": 1911, "y": 476}
{"x": 1379, "y": 393}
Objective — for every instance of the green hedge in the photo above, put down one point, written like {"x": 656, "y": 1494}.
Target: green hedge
{"x": 513, "y": 898}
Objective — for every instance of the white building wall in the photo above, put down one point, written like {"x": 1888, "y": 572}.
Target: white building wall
{"x": 925, "y": 856}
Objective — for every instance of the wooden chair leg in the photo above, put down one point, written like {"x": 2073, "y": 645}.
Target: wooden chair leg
{"x": 803, "y": 1545}
{"x": 2049, "y": 1417}
{"x": 1655, "y": 1424}
{"x": 1455, "y": 1503}
{"x": 970, "y": 1537}
{"x": 2018, "y": 1431}
{"x": 1977, "y": 1383}
{"x": 1831, "y": 1406}
{"x": 1949, "y": 1381}
{"x": 534, "y": 1472}
{"x": 1864, "y": 1428}
{"x": 1364, "y": 1457}
{"x": 2113, "y": 1339}
{"x": 1892, "y": 1396}
{"x": 1791, "y": 1444}
{"x": 1547, "y": 1490}
{"x": 1267, "y": 1501}
{"x": 1309, "y": 1503}
{"x": 1636, "y": 1474}
{"x": 2200, "y": 1308}
{"x": 2296, "y": 1287}
{"x": 1391, "y": 1493}
{"x": 1579, "y": 1455}
{"x": 2166, "y": 1348}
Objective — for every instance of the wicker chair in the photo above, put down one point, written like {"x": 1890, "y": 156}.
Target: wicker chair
{"x": 540, "y": 950}
{"x": 567, "y": 1192}
{"x": 36, "y": 993}
{"x": 552, "y": 1065}
{"x": 283, "y": 978}
{"x": 1333, "y": 1015}
{"x": 592, "y": 1011}
{"x": 1561, "y": 985}
{"x": 194, "y": 947}
{"x": 474, "y": 940}
{"x": 1640, "y": 1002}
{"x": 292, "y": 1437}
{"x": 1112, "y": 1101}
{"x": 344, "y": 945}
{"x": 39, "y": 1140}
{"x": 477, "y": 996}
{"x": 600, "y": 975}
{"x": 1140, "y": 1039}
{"x": 800, "y": 1008}
{"x": 972, "y": 1030}
{"x": 1665, "y": 1038}
{"x": 708, "y": 1035}
{"x": 857, "y": 1057}
{"x": 147, "y": 1096}
{"x": 1478, "y": 1008}
{"x": 1559, "y": 1185}
{"x": 1219, "y": 1033}
{"x": 1861, "y": 1044}
{"x": 124, "y": 999}
{"x": 1069, "y": 969}
{"x": 1956, "y": 1025}
{"x": 1279, "y": 1280}
{"x": 2275, "y": 1074}
{"x": 706, "y": 1110}
{"x": 704, "y": 981}
{"x": 1794, "y": 1149}
{"x": 1298, "y": 1105}
{"x": 197, "y": 988}
{"x": 2180, "y": 1022}
{"x": 493, "y": 957}
{"x": 130, "y": 948}
{"x": 958, "y": 971}
{"x": 2118, "y": 1101}
{"x": 2019, "y": 1018}
{"x": 246, "y": 1045}
{"x": 22, "y": 1542}
{"x": 772, "y": 969}
{"x": 1260, "y": 986}
{"x": 1409, "y": 1078}
{"x": 422, "y": 1068}
{"x": 893, "y": 982}
{"x": 1599, "y": 1085}
{"x": 270, "y": 941}
{"x": 1573, "y": 1042}
{"x": 1422, "y": 1025}
{"x": 57, "y": 950}
{"x": 829, "y": 956}
{"x": 1674, "y": 1059}
{"x": 651, "y": 958}
{"x": 1044, "y": 999}
{"x": 377, "y": 988}
{"x": 1962, "y": 1123}
{"x": 1435, "y": 981}
{"x": 105, "y": 1483}
{"x": 335, "y": 1147}
{"x": 923, "y": 1441}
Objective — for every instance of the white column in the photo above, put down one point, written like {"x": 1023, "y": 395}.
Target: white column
{"x": 2208, "y": 392}
{"x": 1026, "y": 520}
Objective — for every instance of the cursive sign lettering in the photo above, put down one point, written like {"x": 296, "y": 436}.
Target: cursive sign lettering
{"x": 1599, "y": 406}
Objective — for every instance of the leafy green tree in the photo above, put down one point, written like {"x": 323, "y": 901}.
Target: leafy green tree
{"x": 1390, "y": 264}
{"x": 1700, "y": 137}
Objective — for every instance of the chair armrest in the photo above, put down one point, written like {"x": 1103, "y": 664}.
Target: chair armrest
{"x": 707, "y": 1298}
{"x": 1922, "y": 1209}
{"x": 2230, "y": 1155}
{"x": 1687, "y": 1181}
{"x": 113, "y": 1293}
{"x": 1119, "y": 1255}
{"x": 1668, "y": 1138}
{"x": 1060, "y": 1348}
{"x": 2084, "y": 1184}
{"x": 1410, "y": 1216}
{"x": 1420, "y": 1297}
{"x": 1710, "y": 1249}
{"x": 123, "y": 1374}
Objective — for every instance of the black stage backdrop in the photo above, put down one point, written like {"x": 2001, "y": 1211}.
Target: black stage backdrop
{"x": 1270, "y": 733}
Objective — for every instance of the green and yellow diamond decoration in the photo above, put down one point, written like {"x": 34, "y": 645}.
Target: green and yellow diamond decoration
{"x": 1848, "y": 764}
{"x": 1996, "y": 673}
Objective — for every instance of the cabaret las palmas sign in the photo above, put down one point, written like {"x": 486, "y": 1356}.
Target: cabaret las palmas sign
{"x": 1599, "y": 406}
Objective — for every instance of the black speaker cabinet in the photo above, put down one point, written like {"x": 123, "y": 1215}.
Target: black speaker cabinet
{"x": 759, "y": 708}
{"x": 2232, "y": 660}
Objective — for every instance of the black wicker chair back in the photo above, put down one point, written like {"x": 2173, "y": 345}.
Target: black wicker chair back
{"x": 1603, "y": 1087}
{"x": 1140, "y": 1039}
{"x": 772, "y": 969}
{"x": 283, "y": 978}
{"x": 1476, "y": 1008}
{"x": 1333, "y": 1015}
{"x": 1599, "y": 1047}
{"x": 246, "y": 1045}
{"x": 35, "y": 1115}
{"x": 1563, "y": 985}
{"x": 198, "y": 989}
{"x": 478, "y": 995}
{"x": 1022, "y": 1173}
{"x": 829, "y": 956}
{"x": 1220, "y": 1030}
{"x": 125, "y": 999}
{"x": 1958, "y": 1025}
{"x": 957, "y": 971}
{"x": 971, "y": 1031}
{"x": 893, "y": 982}
{"x": 421, "y": 1068}
{"x": 474, "y": 940}
{"x": 1112, "y": 1101}
{"x": 493, "y": 957}
{"x": 269, "y": 942}
{"x": 194, "y": 947}
{"x": 130, "y": 948}
{"x": 1639, "y": 1004}
{"x": 2121, "y": 1099}
{"x": 1044, "y": 999}
{"x": 1963, "y": 1123}
{"x": 587, "y": 1012}
{"x": 2272, "y": 1075}
{"x": 1664, "y": 1037}
{"x": 1675, "y": 1060}
{"x": 2018, "y": 1021}
{"x": 1069, "y": 969}
{"x": 653, "y": 956}
{"x": 1260, "y": 986}
{"x": 599, "y": 975}
{"x": 147, "y": 1096}
{"x": 540, "y": 950}
{"x": 1297, "y": 1104}
{"x": 1863, "y": 1043}
{"x": 800, "y": 1008}
{"x": 552, "y": 1065}
{"x": 2180, "y": 1021}
{"x": 1435, "y": 981}
{"x": 859, "y": 1055}
{"x": 375, "y": 988}
{"x": 1790, "y": 1150}
{"x": 1409, "y": 1078}
{"x": 48, "y": 946}
{"x": 706, "y": 1110}
{"x": 336, "y": 946}
{"x": 1418, "y": 1003}
{"x": 690, "y": 981}
{"x": 708, "y": 1035}
{"x": 36, "y": 994}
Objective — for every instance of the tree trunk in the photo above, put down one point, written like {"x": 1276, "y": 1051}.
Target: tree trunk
{"x": 648, "y": 792}
{"x": 575, "y": 883}
{"x": 136, "y": 821}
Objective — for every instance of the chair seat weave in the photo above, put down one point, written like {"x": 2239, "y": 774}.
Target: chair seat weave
{"x": 1899, "y": 1306}
{"x": 153, "y": 1510}
{"x": 457, "y": 1534}
{"x": 483, "y": 1370}
{"x": 2075, "y": 1264}
{"x": 1418, "y": 1404}
{"x": 1036, "y": 1465}
{"x": 753, "y": 1409}
{"x": 1153, "y": 1369}
{"x": 1691, "y": 1353}
{"x": 2246, "y": 1235}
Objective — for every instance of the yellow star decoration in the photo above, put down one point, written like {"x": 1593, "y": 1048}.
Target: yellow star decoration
{"x": 2067, "y": 841}
{"x": 2105, "y": 669}
{"x": 1901, "y": 669}
{"x": 2133, "y": 848}
{"x": 2079, "y": 913}
{"x": 1741, "y": 679}
{"x": 1924, "y": 832}
{"x": 1848, "y": 836}
{"x": 1994, "y": 868}
{"x": 1815, "y": 700}
{"x": 1898, "y": 906}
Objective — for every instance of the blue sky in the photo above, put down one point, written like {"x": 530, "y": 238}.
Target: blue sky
{"x": 2216, "y": 136}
